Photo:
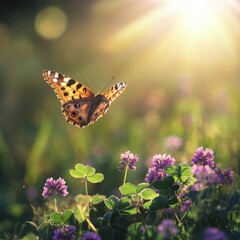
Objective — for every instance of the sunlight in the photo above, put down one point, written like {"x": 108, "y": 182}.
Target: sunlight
{"x": 200, "y": 14}
{"x": 205, "y": 33}
{"x": 197, "y": 35}
{"x": 132, "y": 31}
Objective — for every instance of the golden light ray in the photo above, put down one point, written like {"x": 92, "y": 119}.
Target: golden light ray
{"x": 191, "y": 34}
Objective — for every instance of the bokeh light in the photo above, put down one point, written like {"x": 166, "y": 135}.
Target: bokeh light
{"x": 51, "y": 22}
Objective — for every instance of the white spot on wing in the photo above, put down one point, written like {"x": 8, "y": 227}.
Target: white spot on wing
{"x": 66, "y": 79}
{"x": 121, "y": 85}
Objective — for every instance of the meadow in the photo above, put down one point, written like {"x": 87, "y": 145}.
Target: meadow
{"x": 181, "y": 63}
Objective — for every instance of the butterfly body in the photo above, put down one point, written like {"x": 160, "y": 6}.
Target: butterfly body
{"x": 80, "y": 105}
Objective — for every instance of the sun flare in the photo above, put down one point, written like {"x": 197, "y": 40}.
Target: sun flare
{"x": 194, "y": 34}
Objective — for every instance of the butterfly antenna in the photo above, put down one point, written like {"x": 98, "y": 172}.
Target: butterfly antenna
{"x": 108, "y": 83}
{"x": 84, "y": 76}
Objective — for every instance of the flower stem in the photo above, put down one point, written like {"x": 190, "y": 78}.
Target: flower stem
{"x": 91, "y": 225}
{"x": 55, "y": 204}
{"x": 125, "y": 175}
{"x": 177, "y": 218}
{"x": 87, "y": 199}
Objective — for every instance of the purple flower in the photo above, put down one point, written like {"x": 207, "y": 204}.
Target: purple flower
{"x": 159, "y": 162}
{"x": 220, "y": 176}
{"x": 91, "y": 236}
{"x": 225, "y": 176}
{"x": 154, "y": 174}
{"x": 186, "y": 205}
{"x": 65, "y": 233}
{"x": 197, "y": 187}
{"x": 162, "y": 161}
{"x": 128, "y": 159}
{"x": 201, "y": 172}
{"x": 167, "y": 229}
{"x": 173, "y": 142}
{"x": 53, "y": 187}
{"x": 203, "y": 157}
{"x": 213, "y": 233}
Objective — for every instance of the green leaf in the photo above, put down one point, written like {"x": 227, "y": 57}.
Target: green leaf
{"x": 175, "y": 187}
{"x": 127, "y": 189}
{"x": 123, "y": 203}
{"x": 161, "y": 201}
{"x": 75, "y": 173}
{"x": 66, "y": 215}
{"x": 109, "y": 204}
{"x": 30, "y": 236}
{"x": 81, "y": 199}
{"x": 132, "y": 210}
{"x": 146, "y": 205}
{"x": 169, "y": 180}
{"x": 134, "y": 197}
{"x": 106, "y": 218}
{"x": 148, "y": 194}
{"x": 89, "y": 171}
{"x": 157, "y": 203}
{"x": 56, "y": 218}
{"x": 79, "y": 214}
{"x": 111, "y": 201}
{"x": 96, "y": 178}
{"x": 190, "y": 180}
{"x": 164, "y": 184}
{"x": 171, "y": 170}
{"x": 185, "y": 170}
{"x": 159, "y": 184}
{"x": 96, "y": 199}
{"x": 142, "y": 186}
{"x": 173, "y": 201}
{"x": 114, "y": 199}
{"x": 134, "y": 231}
{"x": 80, "y": 168}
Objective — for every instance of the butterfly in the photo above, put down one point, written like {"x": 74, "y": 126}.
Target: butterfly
{"x": 80, "y": 105}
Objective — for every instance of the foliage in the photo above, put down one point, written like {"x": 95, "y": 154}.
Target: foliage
{"x": 171, "y": 207}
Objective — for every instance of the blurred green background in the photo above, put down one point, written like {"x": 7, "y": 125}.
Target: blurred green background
{"x": 181, "y": 60}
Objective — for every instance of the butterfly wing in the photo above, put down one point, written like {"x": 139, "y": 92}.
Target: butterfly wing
{"x": 79, "y": 104}
{"x": 100, "y": 108}
{"x": 102, "y": 102}
{"x": 66, "y": 88}
{"x": 77, "y": 112}
{"x": 112, "y": 93}
{"x": 76, "y": 99}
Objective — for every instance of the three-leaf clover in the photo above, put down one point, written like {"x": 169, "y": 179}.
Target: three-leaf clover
{"x": 86, "y": 172}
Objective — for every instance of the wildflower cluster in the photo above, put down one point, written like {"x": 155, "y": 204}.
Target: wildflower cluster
{"x": 211, "y": 233}
{"x": 167, "y": 229}
{"x": 91, "y": 236}
{"x": 67, "y": 232}
{"x": 159, "y": 163}
{"x": 205, "y": 171}
{"x": 128, "y": 159}
{"x": 162, "y": 207}
{"x": 203, "y": 157}
{"x": 53, "y": 187}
